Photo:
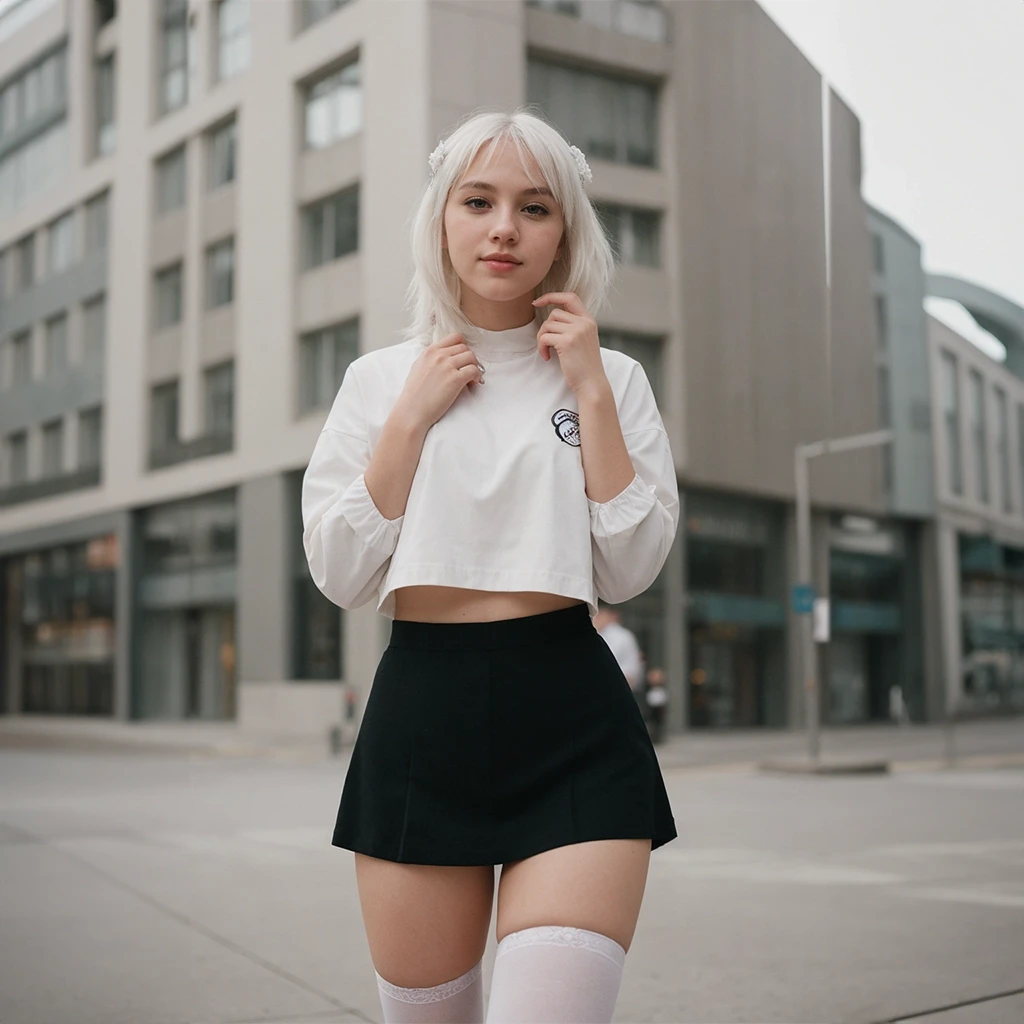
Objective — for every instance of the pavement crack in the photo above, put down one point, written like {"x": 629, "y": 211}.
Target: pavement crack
{"x": 202, "y": 929}
{"x": 918, "y": 1014}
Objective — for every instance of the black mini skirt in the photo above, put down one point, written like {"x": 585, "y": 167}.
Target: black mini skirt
{"x": 488, "y": 742}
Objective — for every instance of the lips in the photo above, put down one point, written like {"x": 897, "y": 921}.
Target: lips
{"x": 497, "y": 257}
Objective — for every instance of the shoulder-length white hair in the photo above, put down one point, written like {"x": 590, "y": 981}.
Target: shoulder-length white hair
{"x": 586, "y": 265}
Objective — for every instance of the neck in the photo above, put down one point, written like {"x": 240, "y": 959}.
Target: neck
{"x": 498, "y": 316}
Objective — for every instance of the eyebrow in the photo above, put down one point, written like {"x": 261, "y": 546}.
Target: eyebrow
{"x": 484, "y": 186}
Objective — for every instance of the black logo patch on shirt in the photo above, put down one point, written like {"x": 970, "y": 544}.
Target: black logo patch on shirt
{"x": 567, "y": 426}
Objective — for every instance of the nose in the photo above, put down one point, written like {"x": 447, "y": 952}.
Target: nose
{"x": 504, "y": 225}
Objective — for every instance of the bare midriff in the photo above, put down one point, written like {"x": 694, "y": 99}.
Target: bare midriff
{"x": 454, "y": 604}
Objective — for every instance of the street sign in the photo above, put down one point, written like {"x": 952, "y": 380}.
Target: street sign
{"x": 802, "y": 598}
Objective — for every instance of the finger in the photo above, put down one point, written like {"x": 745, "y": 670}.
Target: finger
{"x": 471, "y": 373}
{"x": 561, "y": 315}
{"x": 451, "y": 340}
{"x": 570, "y": 300}
{"x": 460, "y": 359}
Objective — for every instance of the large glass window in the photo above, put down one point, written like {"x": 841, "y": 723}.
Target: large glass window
{"x": 607, "y": 116}
{"x": 106, "y": 123}
{"x": 950, "y": 397}
{"x": 1020, "y": 449}
{"x": 331, "y": 228}
{"x": 192, "y": 534}
{"x": 314, "y": 10}
{"x": 25, "y": 262}
{"x": 220, "y": 155}
{"x": 885, "y": 421}
{"x": 324, "y": 357}
{"x": 644, "y": 19}
{"x": 334, "y": 106}
{"x": 17, "y": 458}
{"x": 220, "y": 274}
{"x": 170, "y": 181}
{"x": 177, "y": 52}
{"x": 163, "y": 415}
{"x": 21, "y": 359}
{"x": 55, "y": 349}
{"x": 53, "y": 448}
{"x": 317, "y": 631}
{"x": 881, "y": 321}
{"x": 634, "y": 234}
{"x": 60, "y": 249}
{"x": 96, "y": 227}
{"x": 232, "y": 37}
{"x": 1003, "y": 449}
{"x": 168, "y": 297}
{"x": 979, "y": 436}
{"x": 220, "y": 399}
{"x": 646, "y": 349}
{"x": 94, "y": 329}
{"x": 90, "y": 437}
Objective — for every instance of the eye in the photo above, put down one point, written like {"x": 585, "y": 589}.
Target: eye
{"x": 537, "y": 209}
{"x": 475, "y": 199}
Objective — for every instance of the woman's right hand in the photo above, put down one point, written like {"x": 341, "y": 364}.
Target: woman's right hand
{"x": 437, "y": 378}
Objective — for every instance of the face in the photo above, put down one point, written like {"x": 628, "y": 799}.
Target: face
{"x": 498, "y": 209}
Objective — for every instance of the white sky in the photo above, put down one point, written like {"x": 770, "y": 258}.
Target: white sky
{"x": 939, "y": 88}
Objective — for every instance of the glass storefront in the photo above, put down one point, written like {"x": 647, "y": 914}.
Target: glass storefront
{"x": 992, "y": 616}
{"x": 736, "y": 617}
{"x": 60, "y": 625}
{"x": 185, "y": 644}
{"x": 865, "y": 657}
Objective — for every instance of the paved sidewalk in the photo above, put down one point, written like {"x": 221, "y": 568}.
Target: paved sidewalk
{"x": 983, "y": 744}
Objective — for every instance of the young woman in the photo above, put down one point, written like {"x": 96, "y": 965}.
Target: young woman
{"x": 486, "y": 481}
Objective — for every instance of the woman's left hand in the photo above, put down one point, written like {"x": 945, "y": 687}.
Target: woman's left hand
{"x": 572, "y": 332}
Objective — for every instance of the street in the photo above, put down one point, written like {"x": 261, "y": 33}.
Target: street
{"x": 174, "y": 888}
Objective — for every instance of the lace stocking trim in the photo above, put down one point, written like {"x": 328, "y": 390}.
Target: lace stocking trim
{"x": 430, "y": 995}
{"x": 556, "y": 935}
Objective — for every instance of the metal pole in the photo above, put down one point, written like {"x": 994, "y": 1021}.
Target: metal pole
{"x": 808, "y": 657}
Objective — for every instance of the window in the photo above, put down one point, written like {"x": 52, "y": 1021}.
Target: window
{"x": 232, "y": 37}
{"x": 53, "y": 448}
{"x": 644, "y": 19}
{"x": 881, "y": 321}
{"x": 878, "y": 253}
{"x": 94, "y": 329}
{"x": 324, "y": 357}
{"x": 331, "y": 228}
{"x": 55, "y": 349}
{"x": 220, "y": 399}
{"x": 177, "y": 55}
{"x": 190, "y": 534}
{"x": 25, "y": 262}
{"x": 21, "y": 359}
{"x": 90, "y": 438}
{"x": 220, "y": 155}
{"x": 885, "y": 421}
{"x": 634, "y": 234}
{"x": 168, "y": 297}
{"x": 220, "y": 274}
{"x": 1003, "y": 449}
{"x": 106, "y": 11}
{"x": 1020, "y": 449}
{"x": 163, "y": 415}
{"x": 979, "y": 440}
{"x": 106, "y": 124}
{"x": 17, "y": 458}
{"x": 950, "y": 398}
{"x": 644, "y": 348}
{"x": 334, "y": 107}
{"x": 60, "y": 251}
{"x": 608, "y": 117}
{"x": 314, "y": 10}
{"x": 170, "y": 181}
{"x": 96, "y": 212}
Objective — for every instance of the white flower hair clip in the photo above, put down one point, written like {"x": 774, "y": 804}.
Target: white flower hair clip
{"x": 440, "y": 152}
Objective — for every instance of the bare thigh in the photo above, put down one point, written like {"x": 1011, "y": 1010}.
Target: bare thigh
{"x": 425, "y": 924}
{"x": 598, "y": 886}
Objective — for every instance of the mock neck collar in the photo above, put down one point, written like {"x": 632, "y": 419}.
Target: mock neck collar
{"x": 514, "y": 340}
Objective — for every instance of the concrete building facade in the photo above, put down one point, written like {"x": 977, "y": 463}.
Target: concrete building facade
{"x": 238, "y": 179}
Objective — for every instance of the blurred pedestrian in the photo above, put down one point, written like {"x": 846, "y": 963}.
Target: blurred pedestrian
{"x": 486, "y": 519}
{"x": 626, "y": 648}
{"x": 657, "y": 703}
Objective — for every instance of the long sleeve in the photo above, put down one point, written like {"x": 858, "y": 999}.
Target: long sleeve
{"x": 348, "y": 543}
{"x": 632, "y": 533}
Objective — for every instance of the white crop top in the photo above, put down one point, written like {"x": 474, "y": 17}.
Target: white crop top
{"x": 498, "y": 501}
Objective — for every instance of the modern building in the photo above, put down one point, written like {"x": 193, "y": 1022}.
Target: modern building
{"x": 205, "y": 211}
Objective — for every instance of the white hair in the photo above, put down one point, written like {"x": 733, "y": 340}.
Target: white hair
{"x": 586, "y": 265}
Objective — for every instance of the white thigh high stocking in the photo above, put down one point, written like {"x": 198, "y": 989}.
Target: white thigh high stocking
{"x": 554, "y": 974}
{"x": 455, "y": 1002}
